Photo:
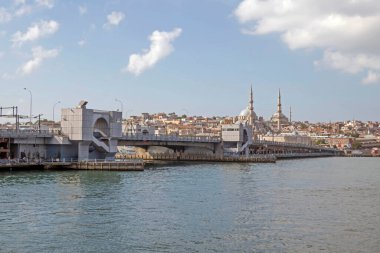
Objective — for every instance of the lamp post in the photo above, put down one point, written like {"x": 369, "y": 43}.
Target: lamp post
{"x": 54, "y": 109}
{"x": 121, "y": 105}
{"x": 31, "y": 105}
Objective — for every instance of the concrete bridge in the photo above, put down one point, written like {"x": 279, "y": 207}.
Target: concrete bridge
{"x": 215, "y": 144}
{"x": 12, "y": 133}
{"x": 272, "y": 147}
{"x": 173, "y": 142}
{"x": 45, "y": 144}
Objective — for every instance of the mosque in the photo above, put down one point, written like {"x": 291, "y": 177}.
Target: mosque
{"x": 247, "y": 115}
{"x": 243, "y": 129}
{"x": 248, "y": 127}
{"x": 259, "y": 126}
{"x": 278, "y": 119}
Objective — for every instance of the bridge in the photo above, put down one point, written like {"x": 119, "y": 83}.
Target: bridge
{"x": 215, "y": 144}
{"x": 169, "y": 138}
{"x": 13, "y": 133}
{"x": 175, "y": 143}
{"x": 272, "y": 147}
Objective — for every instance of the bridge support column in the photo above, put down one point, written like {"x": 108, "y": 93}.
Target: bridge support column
{"x": 218, "y": 148}
{"x": 83, "y": 150}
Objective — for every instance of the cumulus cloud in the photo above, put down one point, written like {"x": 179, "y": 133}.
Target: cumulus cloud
{"x": 114, "y": 19}
{"x": 350, "y": 63}
{"x": 82, "y": 10}
{"x": 5, "y": 16}
{"x": 347, "y": 30}
{"x": 45, "y": 3}
{"x": 160, "y": 48}
{"x": 81, "y": 43}
{"x": 6, "y": 76}
{"x": 38, "y": 56}
{"x": 18, "y": 2}
{"x": 24, "y": 9}
{"x": 35, "y": 32}
{"x": 372, "y": 77}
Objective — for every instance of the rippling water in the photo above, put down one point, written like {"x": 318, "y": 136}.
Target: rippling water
{"x": 313, "y": 205}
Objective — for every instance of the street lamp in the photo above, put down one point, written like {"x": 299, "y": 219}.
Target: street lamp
{"x": 121, "y": 105}
{"x": 31, "y": 104}
{"x": 54, "y": 109}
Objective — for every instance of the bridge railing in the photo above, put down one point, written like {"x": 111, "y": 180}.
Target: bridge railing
{"x": 13, "y": 133}
{"x": 176, "y": 138}
{"x": 288, "y": 144}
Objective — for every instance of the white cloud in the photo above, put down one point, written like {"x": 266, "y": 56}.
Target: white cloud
{"x": 160, "y": 47}
{"x": 45, "y": 3}
{"x": 5, "y": 16}
{"x": 81, "y": 43}
{"x": 350, "y": 63}
{"x": 24, "y": 9}
{"x": 372, "y": 77}
{"x": 347, "y": 30}
{"x": 19, "y": 2}
{"x": 7, "y": 76}
{"x": 36, "y": 31}
{"x": 82, "y": 10}
{"x": 38, "y": 56}
{"x": 114, "y": 19}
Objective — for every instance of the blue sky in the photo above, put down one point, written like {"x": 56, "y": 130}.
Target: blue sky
{"x": 196, "y": 57}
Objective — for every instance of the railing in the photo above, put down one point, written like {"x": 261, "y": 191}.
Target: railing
{"x": 12, "y": 133}
{"x": 176, "y": 138}
{"x": 288, "y": 144}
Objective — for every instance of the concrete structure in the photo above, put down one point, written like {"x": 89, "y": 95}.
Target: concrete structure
{"x": 93, "y": 133}
{"x": 153, "y": 144}
{"x": 236, "y": 137}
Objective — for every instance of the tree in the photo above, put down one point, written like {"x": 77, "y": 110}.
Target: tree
{"x": 320, "y": 142}
{"x": 356, "y": 145}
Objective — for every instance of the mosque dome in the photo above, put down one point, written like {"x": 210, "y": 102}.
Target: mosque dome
{"x": 244, "y": 112}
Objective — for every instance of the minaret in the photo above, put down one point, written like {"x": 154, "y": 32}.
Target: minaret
{"x": 290, "y": 116}
{"x": 251, "y": 113}
{"x": 279, "y": 111}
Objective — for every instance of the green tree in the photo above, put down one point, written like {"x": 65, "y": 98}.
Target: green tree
{"x": 356, "y": 145}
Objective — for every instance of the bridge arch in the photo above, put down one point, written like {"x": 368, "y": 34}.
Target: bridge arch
{"x": 101, "y": 126}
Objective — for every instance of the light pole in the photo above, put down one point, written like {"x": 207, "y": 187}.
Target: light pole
{"x": 54, "y": 109}
{"x": 121, "y": 105}
{"x": 31, "y": 104}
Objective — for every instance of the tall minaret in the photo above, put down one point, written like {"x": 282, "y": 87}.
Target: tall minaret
{"x": 290, "y": 115}
{"x": 251, "y": 113}
{"x": 279, "y": 111}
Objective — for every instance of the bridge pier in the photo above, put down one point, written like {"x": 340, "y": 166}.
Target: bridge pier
{"x": 83, "y": 150}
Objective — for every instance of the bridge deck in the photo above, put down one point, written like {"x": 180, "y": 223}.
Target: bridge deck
{"x": 171, "y": 138}
{"x": 11, "y": 133}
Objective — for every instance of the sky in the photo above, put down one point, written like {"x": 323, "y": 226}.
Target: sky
{"x": 194, "y": 57}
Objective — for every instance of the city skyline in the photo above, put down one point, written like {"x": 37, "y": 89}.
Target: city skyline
{"x": 194, "y": 58}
